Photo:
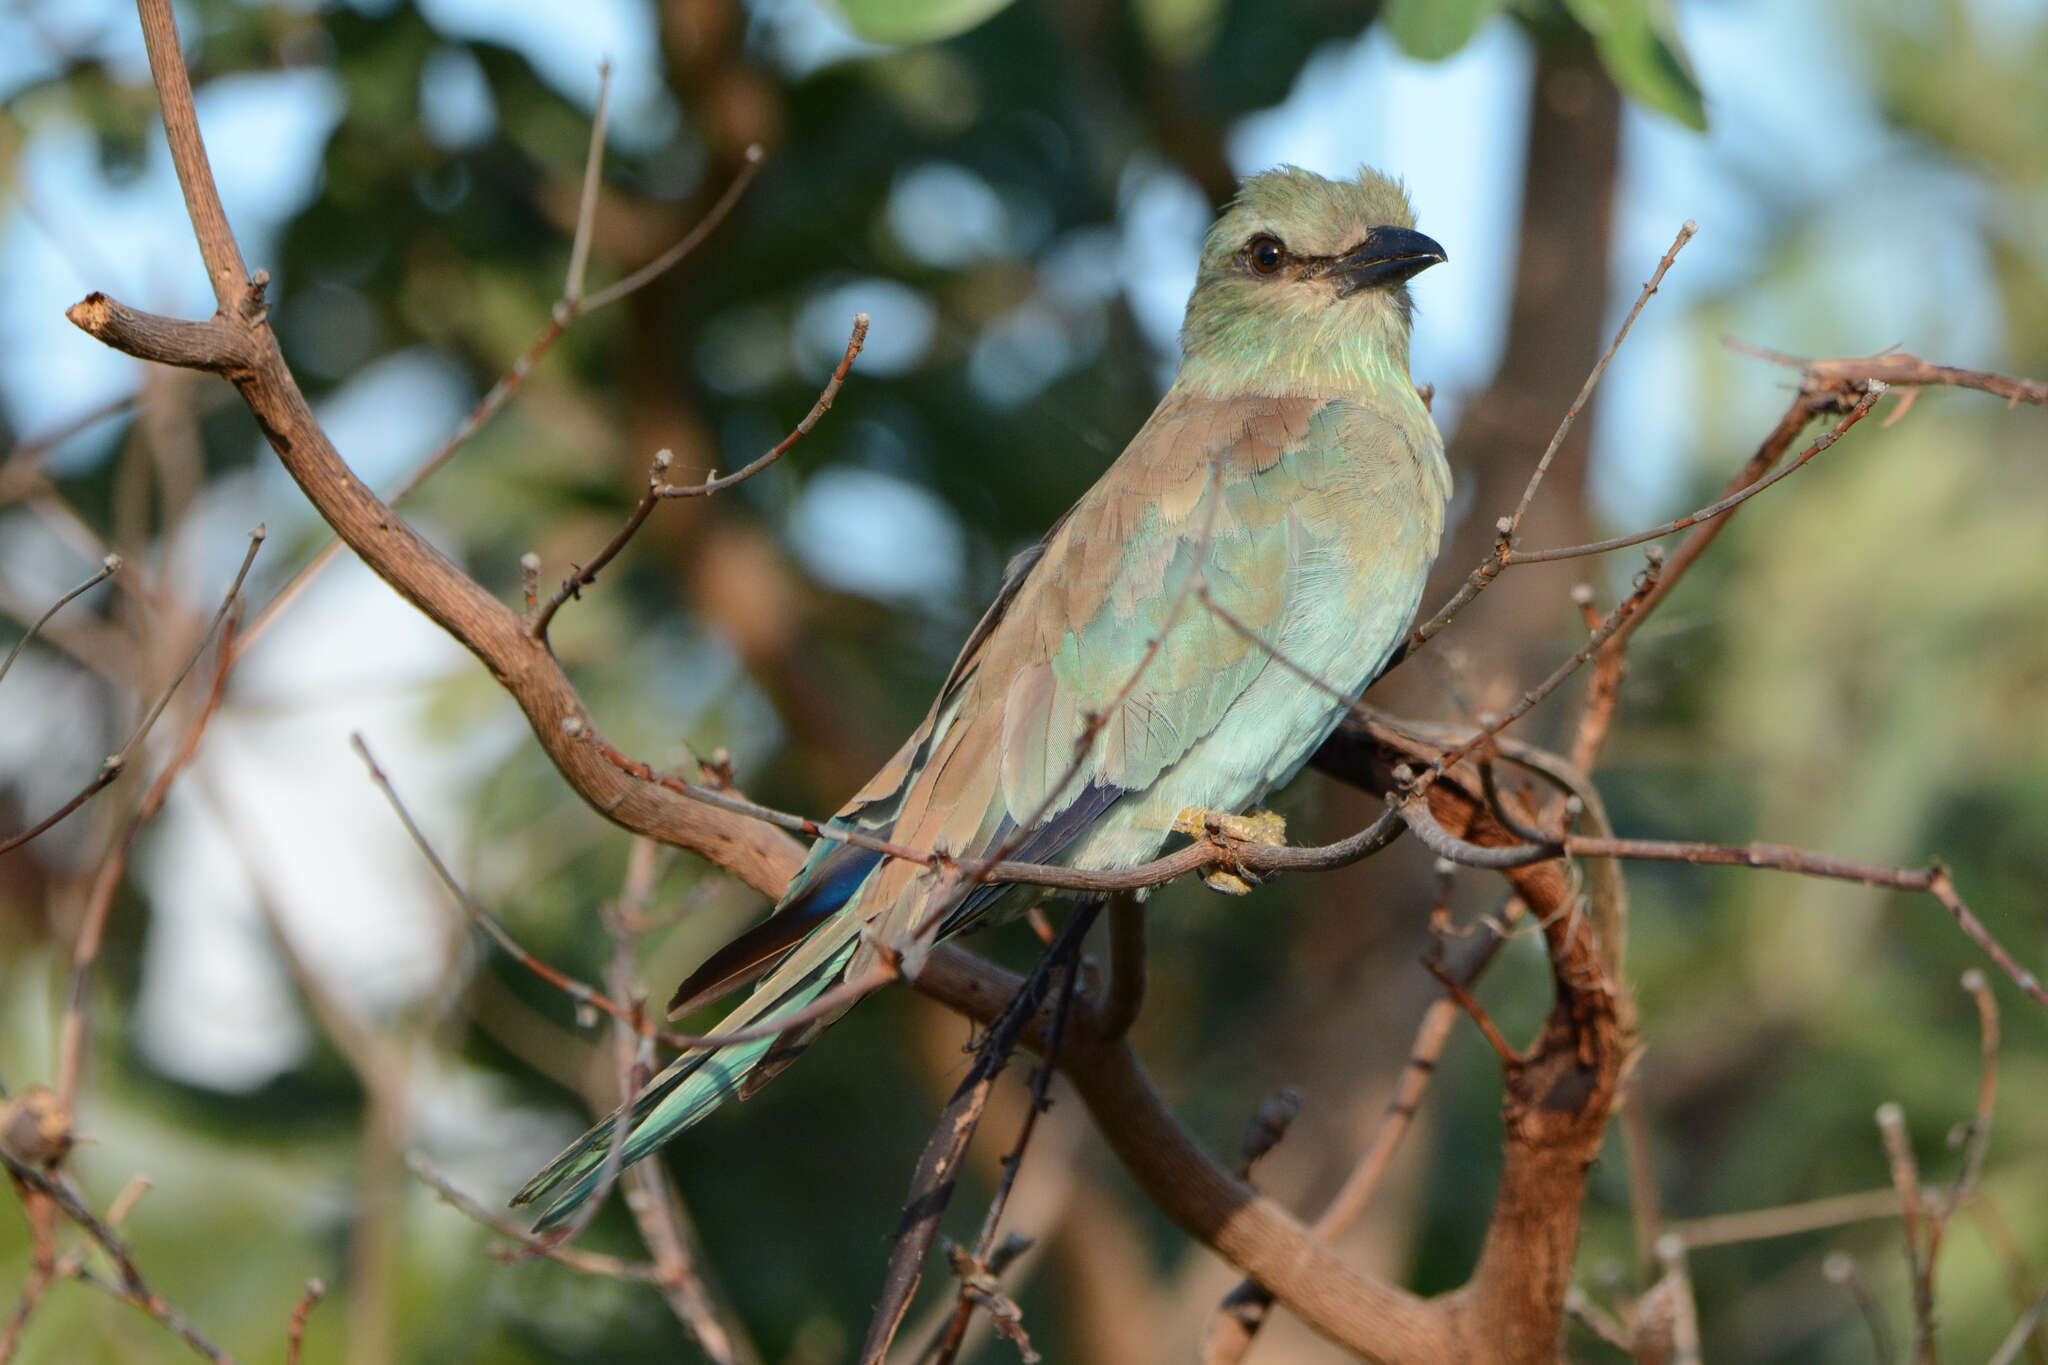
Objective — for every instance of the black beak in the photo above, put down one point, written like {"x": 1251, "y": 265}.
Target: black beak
{"x": 1387, "y": 256}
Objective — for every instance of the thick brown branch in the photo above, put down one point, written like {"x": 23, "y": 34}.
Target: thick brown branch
{"x": 219, "y": 344}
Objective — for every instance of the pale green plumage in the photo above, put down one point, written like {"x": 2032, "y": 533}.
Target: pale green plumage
{"x": 1293, "y": 468}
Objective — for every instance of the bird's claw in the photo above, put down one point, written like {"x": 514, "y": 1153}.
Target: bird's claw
{"x": 1224, "y": 830}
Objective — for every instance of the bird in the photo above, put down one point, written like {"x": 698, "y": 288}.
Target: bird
{"x": 1291, "y": 477}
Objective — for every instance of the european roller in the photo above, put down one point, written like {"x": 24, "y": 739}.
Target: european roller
{"x": 1292, "y": 472}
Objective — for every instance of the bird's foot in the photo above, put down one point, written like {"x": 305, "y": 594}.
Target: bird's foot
{"x": 1224, "y": 829}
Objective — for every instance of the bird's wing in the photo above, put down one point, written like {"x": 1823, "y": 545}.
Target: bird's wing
{"x": 1105, "y": 623}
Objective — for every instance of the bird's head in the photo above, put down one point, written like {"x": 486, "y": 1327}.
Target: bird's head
{"x": 1304, "y": 281}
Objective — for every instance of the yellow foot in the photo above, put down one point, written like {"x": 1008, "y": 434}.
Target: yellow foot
{"x": 1253, "y": 827}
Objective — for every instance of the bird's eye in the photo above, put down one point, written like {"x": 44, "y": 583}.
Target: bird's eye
{"x": 1266, "y": 253}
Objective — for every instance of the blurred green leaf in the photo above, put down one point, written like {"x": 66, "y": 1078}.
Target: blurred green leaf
{"x": 916, "y": 21}
{"x": 1178, "y": 30}
{"x": 1639, "y": 45}
{"x": 1434, "y": 29}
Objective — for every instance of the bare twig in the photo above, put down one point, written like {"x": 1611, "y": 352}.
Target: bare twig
{"x": 2022, "y": 1332}
{"x": 295, "y": 1329}
{"x": 856, "y": 339}
{"x": 750, "y": 166}
{"x": 132, "y": 1288}
{"x": 109, "y": 566}
{"x": 1506, "y": 527}
{"x": 565, "y": 312}
{"x": 1646, "y": 583}
{"x": 658, "y": 490}
{"x": 589, "y": 1262}
{"x": 1504, "y": 555}
{"x": 107, "y": 881}
{"x": 117, "y": 762}
{"x": 1875, "y": 390}
{"x": 1901, "y": 368}
{"x": 1685, "y": 234}
{"x": 1898, "y": 1150}
{"x": 1685, "y": 1318}
{"x": 1974, "y": 1137}
{"x": 980, "y": 1264}
{"x": 1839, "y": 1267}
{"x": 593, "y": 175}
{"x": 1784, "y": 1220}
{"x": 931, "y": 1187}
{"x": 583, "y": 993}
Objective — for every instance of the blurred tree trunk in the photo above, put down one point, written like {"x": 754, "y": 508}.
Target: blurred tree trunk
{"x": 1357, "y": 948}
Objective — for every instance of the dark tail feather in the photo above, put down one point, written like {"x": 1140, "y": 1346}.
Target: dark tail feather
{"x": 831, "y": 883}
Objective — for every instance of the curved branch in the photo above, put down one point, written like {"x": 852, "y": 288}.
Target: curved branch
{"x": 237, "y": 343}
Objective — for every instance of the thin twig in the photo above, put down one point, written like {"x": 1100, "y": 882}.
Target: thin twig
{"x": 750, "y": 166}
{"x": 1646, "y": 583}
{"x": 583, "y": 993}
{"x": 1685, "y": 1317}
{"x": 117, "y": 762}
{"x": 589, "y": 1262}
{"x": 658, "y": 490}
{"x": 1902, "y": 368}
{"x": 564, "y": 313}
{"x": 1685, "y": 234}
{"x": 1503, "y": 555}
{"x": 938, "y": 1168}
{"x": 295, "y": 1329}
{"x": 593, "y": 175}
{"x": 1898, "y": 1150}
{"x": 1784, "y": 1220}
{"x": 981, "y": 1261}
{"x": 1455, "y": 989}
{"x": 1876, "y": 390}
{"x": 109, "y": 566}
{"x": 1839, "y": 1267}
{"x": 2022, "y": 1332}
{"x": 114, "y": 867}
{"x": 1975, "y": 1137}
{"x": 132, "y": 1288}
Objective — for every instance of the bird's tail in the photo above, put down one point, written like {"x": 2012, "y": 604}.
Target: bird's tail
{"x": 696, "y": 1083}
